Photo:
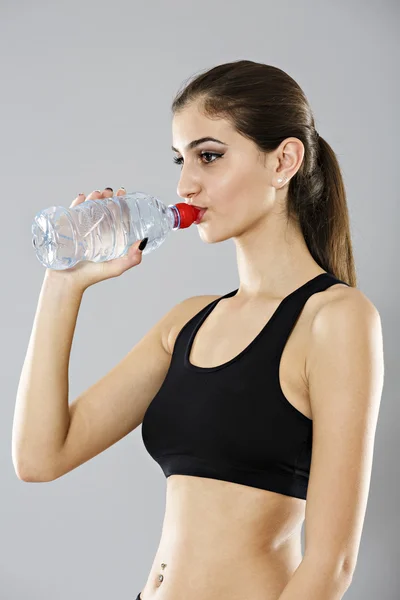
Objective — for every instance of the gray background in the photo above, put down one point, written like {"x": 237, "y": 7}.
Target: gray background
{"x": 85, "y": 103}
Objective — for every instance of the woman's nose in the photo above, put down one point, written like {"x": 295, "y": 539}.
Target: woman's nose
{"x": 186, "y": 191}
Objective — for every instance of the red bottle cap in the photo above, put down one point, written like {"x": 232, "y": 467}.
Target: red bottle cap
{"x": 188, "y": 214}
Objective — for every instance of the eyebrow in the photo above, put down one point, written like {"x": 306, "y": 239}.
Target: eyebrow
{"x": 195, "y": 143}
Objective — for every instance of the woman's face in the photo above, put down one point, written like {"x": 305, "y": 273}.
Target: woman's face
{"x": 232, "y": 180}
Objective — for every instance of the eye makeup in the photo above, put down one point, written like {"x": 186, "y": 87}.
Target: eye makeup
{"x": 178, "y": 160}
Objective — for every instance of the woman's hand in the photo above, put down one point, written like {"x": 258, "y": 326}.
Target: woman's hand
{"x": 87, "y": 273}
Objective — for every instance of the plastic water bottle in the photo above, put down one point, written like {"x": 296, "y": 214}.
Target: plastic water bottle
{"x": 100, "y": 230}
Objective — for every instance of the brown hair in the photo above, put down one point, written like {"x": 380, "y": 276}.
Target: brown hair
{"x": 266, "y": 105}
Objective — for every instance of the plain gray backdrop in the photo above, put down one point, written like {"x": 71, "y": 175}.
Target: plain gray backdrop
{"x": 85, "y": 104}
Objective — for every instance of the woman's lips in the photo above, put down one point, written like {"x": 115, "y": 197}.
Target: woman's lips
{"x": 200, "y": 215}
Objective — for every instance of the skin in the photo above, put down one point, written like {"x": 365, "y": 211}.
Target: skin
{"x": 220, "y": 539}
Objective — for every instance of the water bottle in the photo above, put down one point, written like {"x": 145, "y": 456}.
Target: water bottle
{"x": 100, "y": 230}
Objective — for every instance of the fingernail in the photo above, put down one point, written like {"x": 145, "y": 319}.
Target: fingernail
{"x": 98, "y": 191}
{"x": 143, "y": 243}
{"x": 122, "y": 188}
{"x": 108, "y": 188}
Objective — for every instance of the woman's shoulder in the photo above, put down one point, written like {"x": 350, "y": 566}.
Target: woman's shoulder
{"x": 341, "y": 299}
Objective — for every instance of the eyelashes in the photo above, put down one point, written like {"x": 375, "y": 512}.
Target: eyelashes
{"x": 179, "y": 160}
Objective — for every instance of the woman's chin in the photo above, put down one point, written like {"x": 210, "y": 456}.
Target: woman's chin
{"x": 211, "y": 237}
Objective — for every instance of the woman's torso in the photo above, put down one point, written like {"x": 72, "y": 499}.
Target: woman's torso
{"x": 221, "y": 539}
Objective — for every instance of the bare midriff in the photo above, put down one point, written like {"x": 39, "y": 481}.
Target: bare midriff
{"x": 225, "y": 540}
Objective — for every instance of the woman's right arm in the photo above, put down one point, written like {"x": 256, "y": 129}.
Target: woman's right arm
{"x": 50, "y": 437}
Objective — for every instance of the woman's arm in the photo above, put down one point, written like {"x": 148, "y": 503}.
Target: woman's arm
{"x": 41, "y": 416}
{"x": 345, "y": 373}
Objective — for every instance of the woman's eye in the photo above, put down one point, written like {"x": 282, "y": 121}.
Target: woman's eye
{"x": 179, "y": 160}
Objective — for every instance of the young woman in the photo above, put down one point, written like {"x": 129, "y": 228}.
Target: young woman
{"x": 260, "y": 405}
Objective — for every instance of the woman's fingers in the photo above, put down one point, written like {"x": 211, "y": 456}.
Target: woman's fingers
{"x": 107, "y": 192}
{"x": 80, "y": 198}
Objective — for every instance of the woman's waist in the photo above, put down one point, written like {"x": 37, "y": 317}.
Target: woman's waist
{"x": 187, "y": 570}
{"x": 228, "y": 540}
{"x": 230, "y": 531}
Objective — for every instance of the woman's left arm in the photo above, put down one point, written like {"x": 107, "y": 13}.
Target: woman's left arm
{"x": 345, "y": 372}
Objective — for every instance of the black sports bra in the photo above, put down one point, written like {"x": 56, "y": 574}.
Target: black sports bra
{"x": 232, "y": 422}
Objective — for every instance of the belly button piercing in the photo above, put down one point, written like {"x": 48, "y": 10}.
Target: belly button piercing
{"x": 160, "y": 577}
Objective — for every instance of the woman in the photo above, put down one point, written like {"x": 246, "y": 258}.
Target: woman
{"x": 259, "y": 405}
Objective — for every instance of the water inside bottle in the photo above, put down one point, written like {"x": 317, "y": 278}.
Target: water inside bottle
{"x": 90, "y": 231}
